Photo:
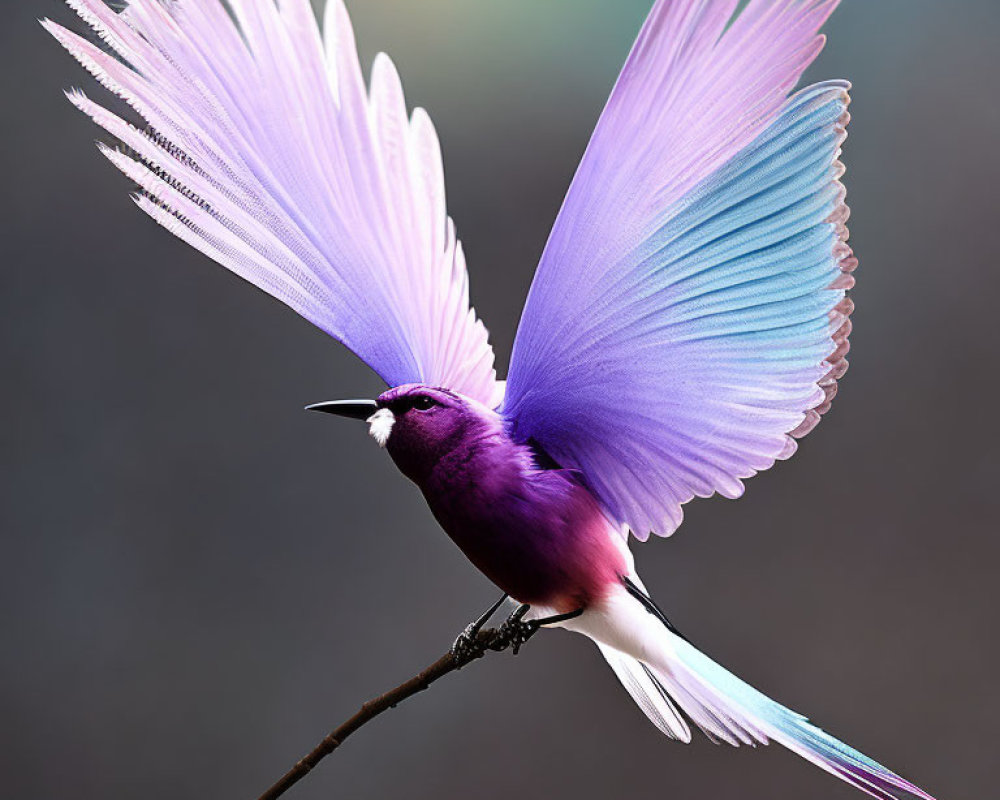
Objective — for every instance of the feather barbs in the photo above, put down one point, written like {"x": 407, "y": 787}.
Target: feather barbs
{"x": 267, "y": 152}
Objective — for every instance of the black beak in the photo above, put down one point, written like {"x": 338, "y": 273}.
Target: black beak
{"x": 354, "y": 409}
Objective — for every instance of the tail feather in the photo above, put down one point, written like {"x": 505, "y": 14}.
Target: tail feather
{"x": 714, "y": 688}
{"x": 713, "y": 718}
{"x": 648, "y": 694}
{"x": 653, "y": 661}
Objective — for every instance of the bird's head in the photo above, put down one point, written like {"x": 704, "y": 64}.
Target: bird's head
{"x": 417, "y": 424}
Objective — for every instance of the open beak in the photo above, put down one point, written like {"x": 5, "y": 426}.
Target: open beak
{"x": 352, "y": 409}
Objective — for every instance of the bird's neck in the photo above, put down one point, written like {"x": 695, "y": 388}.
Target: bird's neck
{"x": 484, "y": 458}
{"x": 465, "y": 451}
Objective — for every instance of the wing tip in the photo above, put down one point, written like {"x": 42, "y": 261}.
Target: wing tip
{"x": 840, "y": 324}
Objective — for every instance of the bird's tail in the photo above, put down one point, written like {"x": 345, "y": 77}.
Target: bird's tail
{"x": 663, "y": 673}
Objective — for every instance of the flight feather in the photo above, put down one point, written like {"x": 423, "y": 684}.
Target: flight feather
{"x": 259, "y": 144}
{"x": 688, "y": 318}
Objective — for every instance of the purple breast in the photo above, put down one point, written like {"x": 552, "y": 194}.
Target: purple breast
{"x": 537, "y": 534}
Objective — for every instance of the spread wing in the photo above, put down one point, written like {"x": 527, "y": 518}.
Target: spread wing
{"x": 688, "y": 316}
{"x": 265, "y": 150}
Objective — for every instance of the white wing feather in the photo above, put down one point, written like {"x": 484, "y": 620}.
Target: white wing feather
{"x": 265, "y": 151}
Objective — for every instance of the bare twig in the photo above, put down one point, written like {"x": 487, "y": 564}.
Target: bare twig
{"x": 486, "y": 641}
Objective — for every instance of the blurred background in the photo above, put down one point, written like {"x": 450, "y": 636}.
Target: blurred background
{"x": 200, "y": 580}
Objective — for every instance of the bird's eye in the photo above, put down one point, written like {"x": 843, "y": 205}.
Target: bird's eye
{"x": 423, "y": 403}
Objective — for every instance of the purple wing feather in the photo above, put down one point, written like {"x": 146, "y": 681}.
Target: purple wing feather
{"x": 265, "y": 151}
{"x": 688, "y": 315}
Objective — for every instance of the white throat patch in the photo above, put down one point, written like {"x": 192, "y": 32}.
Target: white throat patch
{"x": 380, "y": 425}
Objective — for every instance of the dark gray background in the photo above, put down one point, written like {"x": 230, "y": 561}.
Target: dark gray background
{"x": 199, "y": 579}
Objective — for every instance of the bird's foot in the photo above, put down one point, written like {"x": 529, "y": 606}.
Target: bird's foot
{"x": 469, "y": 646}
{"x": 516, "y": 630}
{"x": 512, "y": 634}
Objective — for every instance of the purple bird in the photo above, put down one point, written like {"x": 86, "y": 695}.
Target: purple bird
{"x": 688, "y": 321}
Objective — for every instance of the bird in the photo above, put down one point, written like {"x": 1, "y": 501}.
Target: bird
{"x": 686, "y": 326}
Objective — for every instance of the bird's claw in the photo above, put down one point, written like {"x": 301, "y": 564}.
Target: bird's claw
{"x": 468, "y": 645}
{"x": 515, "y": 631}
{"x": 512, "y": 634}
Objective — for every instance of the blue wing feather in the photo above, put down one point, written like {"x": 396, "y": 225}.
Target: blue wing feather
{"x": 686, "y": 365}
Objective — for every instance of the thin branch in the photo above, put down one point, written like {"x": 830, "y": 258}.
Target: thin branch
{"x": 486, "y": 640}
